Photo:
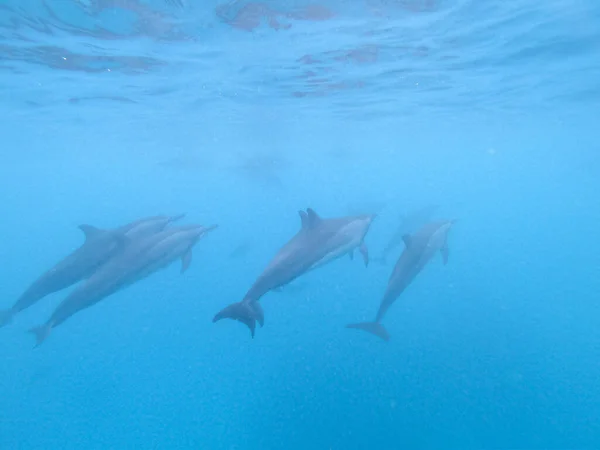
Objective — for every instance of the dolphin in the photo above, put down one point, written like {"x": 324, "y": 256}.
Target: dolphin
{"x": 409, "y": 223}
{"x": 147, "y": 226}
{"x": 138, "y": 259}
{"x": 420, "y": 248}
{"x": 318, "y": 242}
{"x": 99, "y": 246}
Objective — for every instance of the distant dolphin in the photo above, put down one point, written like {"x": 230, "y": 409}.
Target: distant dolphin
{"x": 318, "y": 242}
{"x": 409, "y": 224}
{"x": 138, "y": 259}
{"x": 99, "y": 246}
{"x": 420, "y": 248}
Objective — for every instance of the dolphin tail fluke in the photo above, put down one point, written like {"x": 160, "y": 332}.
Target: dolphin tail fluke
{"x": 6, "y": 316}
{"x": 245, "y": 312}
{"x": 372, "y": 327}
{"x": 41, "y": 333}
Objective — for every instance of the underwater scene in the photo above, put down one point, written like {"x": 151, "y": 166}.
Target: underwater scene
{"x": 300, "y": 224}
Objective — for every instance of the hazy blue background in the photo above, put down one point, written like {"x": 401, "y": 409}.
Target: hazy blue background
{"x": 242, "y": 113}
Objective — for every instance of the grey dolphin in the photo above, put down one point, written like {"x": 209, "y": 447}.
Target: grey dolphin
{"x": 420, "y": 248}
{"x": 99, "y": 246}
{"x": 409, "y": 224}
{"x": 138, "y": 259}
{"x": 318, "y": 242}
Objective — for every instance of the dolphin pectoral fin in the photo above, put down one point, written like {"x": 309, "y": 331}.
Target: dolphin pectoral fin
{"x": 41, "y": 333}
{"x": 6, "y": 317}
{"x": 242, "y": 311}
{"x": 444, "y": 251}
{"x": 371, "y": 327}
{"x": 90, "y": 231}
{"x": 351, "y": 254}
{"x": 186, "y": 260}
{"x": 406, "y": 238}
{"x": 259, "y": 313}
{"x": 364, "y": 251}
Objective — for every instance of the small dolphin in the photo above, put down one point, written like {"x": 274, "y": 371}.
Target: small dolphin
{"x": 409, "y": 224}
{"x": 318, "y": 242}
{"x": 147, "y": 226}
{"x": 420, "y": 248}
{"x": 138, "y": 259}
{"x": 99, "y": 246}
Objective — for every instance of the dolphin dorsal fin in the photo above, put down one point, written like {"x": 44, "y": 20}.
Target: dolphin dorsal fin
{"x": 407, "y": 239}
{"x": 186, "y": 260}
{"x": 303, "y": 219}
{"x": 90, "y": 231}
{"x": 313, "y": 217}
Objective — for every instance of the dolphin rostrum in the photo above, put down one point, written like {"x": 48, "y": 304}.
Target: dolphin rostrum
{"x": 420, "y": 248}
{"x": 138, "y": 259}
{"x": 318, "y": 242}
{"x": 99, "y": 246}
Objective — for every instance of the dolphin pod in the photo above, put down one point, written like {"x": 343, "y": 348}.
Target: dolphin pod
{"x": 98, "y": 247}
{"x": 318, "y": 242}
{"x": 139, "y": 258}
{"x": 109, "y": 260}
{"x": 419, "y": 249}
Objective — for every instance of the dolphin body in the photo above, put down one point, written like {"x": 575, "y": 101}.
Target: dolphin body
{"x": 138, "y": 259}
{"x": 318, "y": 242}
{"x": 99, "y": 246}
{"x": 409, "y": 224}
{"x": 420, "y": 248}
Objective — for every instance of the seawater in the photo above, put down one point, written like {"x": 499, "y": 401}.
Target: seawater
{"x": 241, "y": 114}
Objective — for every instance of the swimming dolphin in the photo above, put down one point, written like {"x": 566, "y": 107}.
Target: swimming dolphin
{"x": 420, "y": 248}
{"x": 138, "y": 259}
{"x": 147, "y": 226}
{"x": 409, "y": 224}
{"x": 318, "y": 242}
{"x": 98, "y": 247}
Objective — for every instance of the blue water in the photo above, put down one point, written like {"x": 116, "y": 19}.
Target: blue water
{"x": 241, "y": 113}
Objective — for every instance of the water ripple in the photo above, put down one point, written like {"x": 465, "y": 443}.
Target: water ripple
{"x": 382, "y": 55}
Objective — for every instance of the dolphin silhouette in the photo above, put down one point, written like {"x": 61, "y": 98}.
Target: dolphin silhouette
{"x": 99, "y": 246}
{"x": 318, "y": 242}
{"x": 138, "y": 259}
{"x": 409, "y": 224}
{"x": 420, "y": 248}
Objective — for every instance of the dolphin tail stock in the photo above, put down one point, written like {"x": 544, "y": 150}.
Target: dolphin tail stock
{"x": 6, "y": 316}
{"x": 371, "y": 327}
{"x": 41, "y": 333}
{"x": 245, "y": 311}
